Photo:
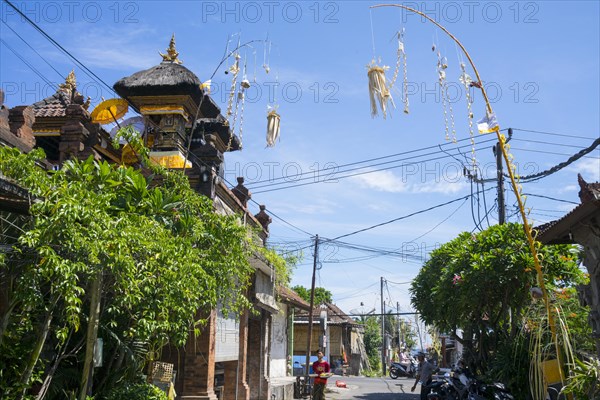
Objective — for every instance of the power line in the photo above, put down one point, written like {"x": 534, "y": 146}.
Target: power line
{"x": 335, "y": 169}
{"x": 291, "y": 183}
{"x": 34, "y": 50}
{"x": 358, "y": 173}
{"x": 199, "y": 160}
{"x": 548, "y": 143}
{"x": 553, "y": 134}
{"x": 558, "y": 167}
{"x": 551, "y": 198}
{"x": 326, "y": 170}
{"x": 403, "y": 254}
{"x": 547, "y": 152}
{"x": 92, "y": 75}
{"x": 88, "y": 71}
{"x": 38, "y": 73}
{"x": 403, "y": 217}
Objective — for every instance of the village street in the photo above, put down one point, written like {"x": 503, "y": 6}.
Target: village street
{"x": 372, "y": 389}
{"x": 265, "y": 200}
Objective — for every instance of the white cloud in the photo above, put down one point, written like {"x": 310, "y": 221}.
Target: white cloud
{"x": 568, "y": 188}
{"x": 589, "y": 168}
{"x": 440, "y": 187}
{"x": 382, "y": 181}
{"x": 118, "y": 49}
{"x": 387, "y": 181}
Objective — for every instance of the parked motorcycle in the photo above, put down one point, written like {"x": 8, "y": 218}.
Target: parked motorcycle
{"x": 461, "y": 385}
{"x": 397, "y": 369}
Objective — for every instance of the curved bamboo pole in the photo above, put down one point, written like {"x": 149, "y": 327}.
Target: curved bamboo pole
{"x": 516, "y": 188}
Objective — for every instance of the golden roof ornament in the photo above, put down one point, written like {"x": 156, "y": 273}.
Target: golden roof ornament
{"x": 171, "y": 52}
{"x": 70, "y": 83}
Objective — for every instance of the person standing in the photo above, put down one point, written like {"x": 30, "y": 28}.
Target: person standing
{"x": 424, "y": 375}
{"x": 321, "y": 368}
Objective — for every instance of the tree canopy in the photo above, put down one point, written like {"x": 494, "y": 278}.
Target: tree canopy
{"x": 322, "y": 295}
{"x": 477, "y": 286}
{"x": 154, "y": 253}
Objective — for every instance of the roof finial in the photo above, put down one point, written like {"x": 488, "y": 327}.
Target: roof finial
{"x": 70, "y": 83}
{"x": 171, "y": 52}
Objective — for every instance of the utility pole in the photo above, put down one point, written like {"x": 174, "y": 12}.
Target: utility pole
{"x": 400, "y": 338}
{"x": 500, "y": 177}
{"x": 383, "y": 366}
{"x": 312, "y": 304}
{"x": 419, "y": 332}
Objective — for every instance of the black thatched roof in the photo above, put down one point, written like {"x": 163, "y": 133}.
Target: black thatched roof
{"x": 167, "y": 79}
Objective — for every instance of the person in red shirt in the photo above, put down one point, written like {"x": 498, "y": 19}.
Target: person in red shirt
{"x": 321, "y": 368}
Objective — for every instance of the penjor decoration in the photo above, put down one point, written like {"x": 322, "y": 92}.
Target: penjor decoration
{"x": 273, "y": 123}
{"x": 490, "y": 124}
{"x": 379, "y": 92}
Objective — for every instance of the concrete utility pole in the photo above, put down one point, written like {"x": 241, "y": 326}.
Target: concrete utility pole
{"x": 383, "y": 366}
{"x": 500, "y": 177}
{"x": 312, "y": 304}
{"x": 400, "y": 338}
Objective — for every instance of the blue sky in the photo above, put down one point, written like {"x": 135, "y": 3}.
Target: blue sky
{"x": 539, "y": 60}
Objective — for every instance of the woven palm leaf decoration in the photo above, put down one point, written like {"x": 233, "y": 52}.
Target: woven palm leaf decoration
{"x": 273, "y": 124}
{"x": 379, "y": 91}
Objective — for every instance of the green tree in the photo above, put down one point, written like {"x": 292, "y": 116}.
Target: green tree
{"x": 373, "y": 341}
{"x": 322, "y": 295}
{"x": 109, "y": 252}
{"x": 478, "y": 284}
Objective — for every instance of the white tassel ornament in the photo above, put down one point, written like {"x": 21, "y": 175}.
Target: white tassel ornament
{"x": 273, "y": 121}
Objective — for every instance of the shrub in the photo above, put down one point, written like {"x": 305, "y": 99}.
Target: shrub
{"x": 136, "y": 391}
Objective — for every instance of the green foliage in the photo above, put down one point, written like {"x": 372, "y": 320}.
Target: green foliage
{"x": 584, "y": 382}
{"x": 162, "y": 251}
{"x": 480, "y": 283}
{"x": 283, "y": 266}
{"x": 373, "y": 341}
{"x": 137, "y": 391}
{"x": 322, "y": 295}
{"x": 510, "y": 365}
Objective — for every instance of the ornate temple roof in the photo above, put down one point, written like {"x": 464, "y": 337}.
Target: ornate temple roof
{"x": 169, "y": 78}
{"x": 558, "y": 231}
{"x": 56, "y": 105}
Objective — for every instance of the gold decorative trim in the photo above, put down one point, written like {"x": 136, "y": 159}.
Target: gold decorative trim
{"x": 171, "y": 53}
{"x": 162, "y": 110}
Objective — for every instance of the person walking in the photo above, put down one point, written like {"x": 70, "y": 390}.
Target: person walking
{"x": 424, "y": 375}
{"x": 321, "y": 368}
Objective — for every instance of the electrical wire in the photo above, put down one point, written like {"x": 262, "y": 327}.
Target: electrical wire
{"x": 558, "y": 167}
{"x": 352, "y": 175}
{"x": 38, "y": 73}
{"x": 61, "y": 76}
{"x": 326, "y": 170}
{"x": 88, "y": 72}
{"x": 292, "y": 183}
{"x": 550, "y": 198}
{"x": 403, "y": 217}
{"x": 553, "y": 134}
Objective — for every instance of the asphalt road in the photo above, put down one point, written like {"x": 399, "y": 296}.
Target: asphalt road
{"x": 371, "y": 388}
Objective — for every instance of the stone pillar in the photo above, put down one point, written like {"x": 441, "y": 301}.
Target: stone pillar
{"x": 199, "y": 371}
{"x": 3, "y": 113}
{"x": 242, "y": 192}
{"x": 236, "y": 386}
{"x": 254, "y": 357}
{"x": 258, "y": 357}
{"x": 243, "y": 388}
{"x": 21, "y": 119}
{"x": 73, "y": 135}
{"x": 266, "y": 367}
